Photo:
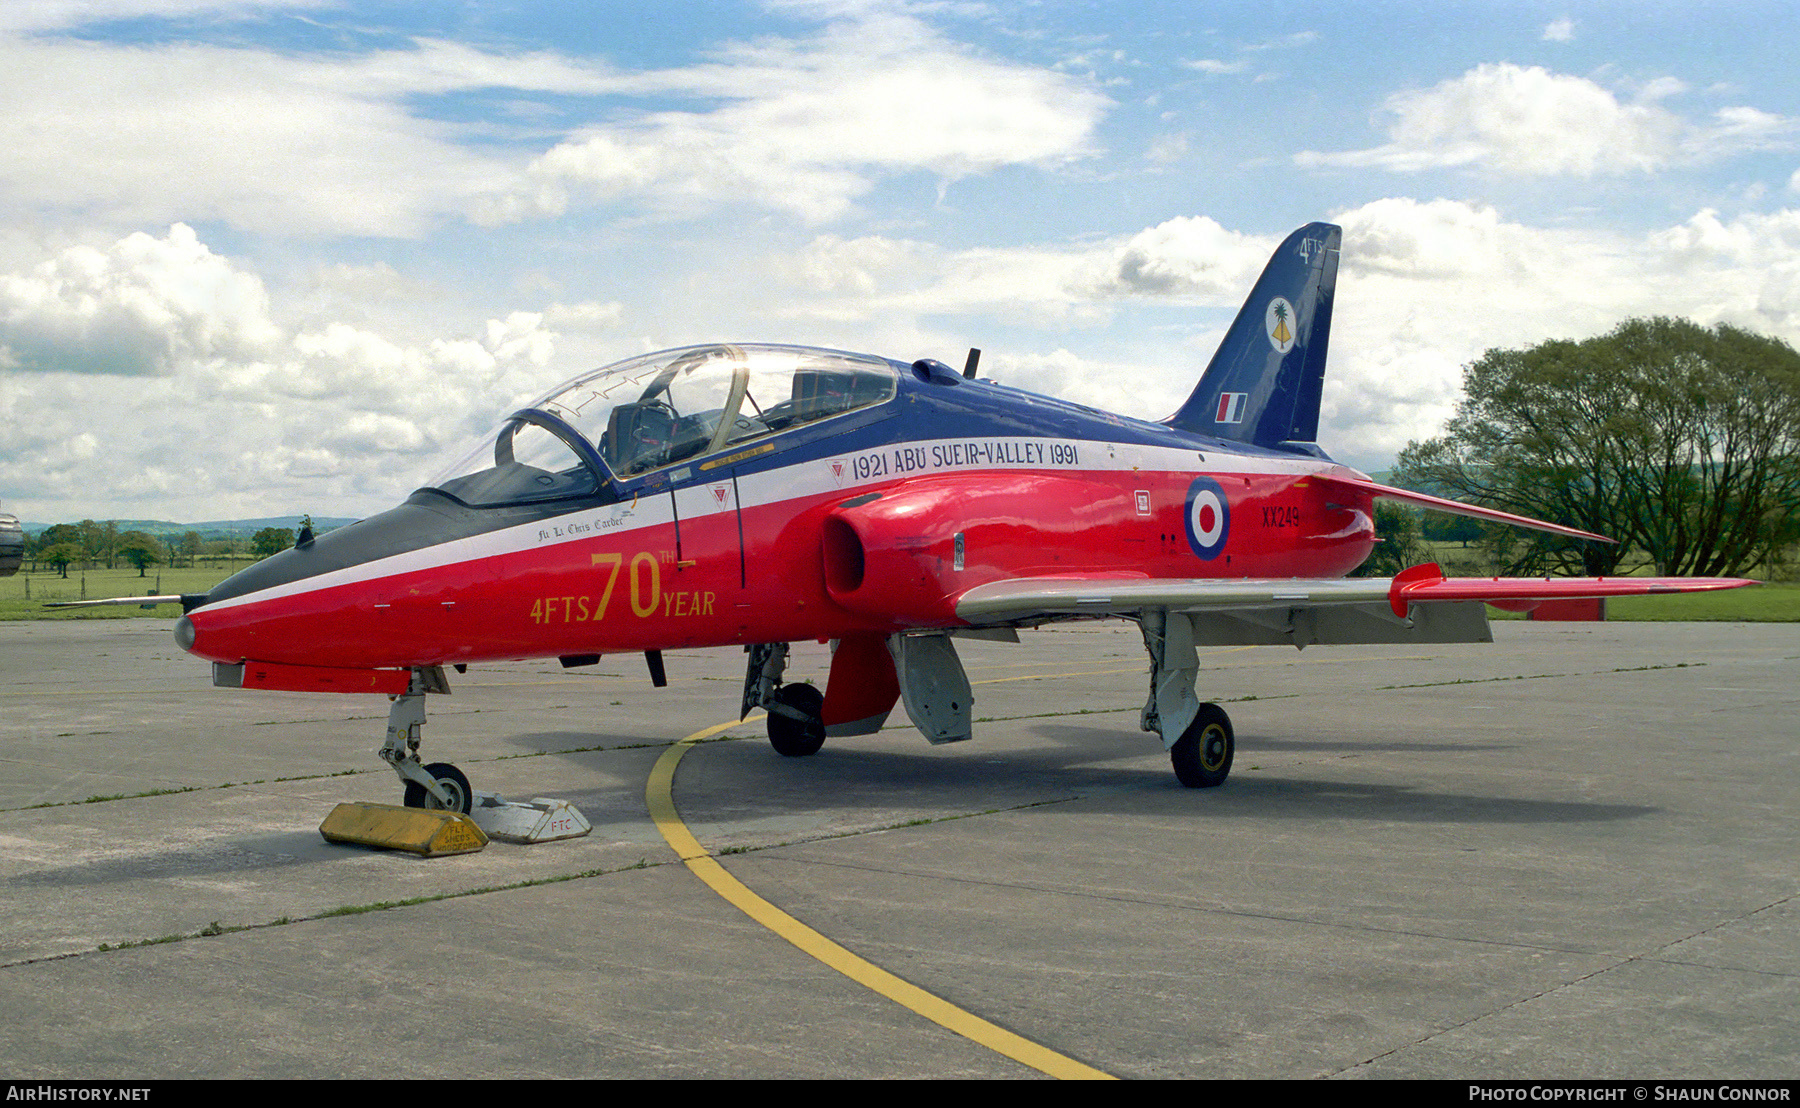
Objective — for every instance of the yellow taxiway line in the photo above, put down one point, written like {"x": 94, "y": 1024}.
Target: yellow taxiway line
{"x": 660, "y": 797}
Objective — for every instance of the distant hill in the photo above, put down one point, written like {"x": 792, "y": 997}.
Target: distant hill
{"x": 211, "y": 529}
{"x": 321, "y": 524}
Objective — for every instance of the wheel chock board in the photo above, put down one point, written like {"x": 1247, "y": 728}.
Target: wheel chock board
{"x": 425, "y": 831}
{"x": 541, "y": 820}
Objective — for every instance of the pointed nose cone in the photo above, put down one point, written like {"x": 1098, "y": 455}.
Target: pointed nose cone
{"x": 184, "y": 633}
{"x": 380, "y": 592}
{"x": 222, "y": 625}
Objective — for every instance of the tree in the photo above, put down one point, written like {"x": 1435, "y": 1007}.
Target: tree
{"x": 59, "y": 534}
{"x": 140, "y": 549}
{"x": 1397, "y": 528}
{"x": 1682, "y": 442}
{"x": 272, "y": 540}
{"x": 59, "y": 555}
{"x": 1442, "y": 527}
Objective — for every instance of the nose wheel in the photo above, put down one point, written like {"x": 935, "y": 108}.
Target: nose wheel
{"x": 450, "y": 780}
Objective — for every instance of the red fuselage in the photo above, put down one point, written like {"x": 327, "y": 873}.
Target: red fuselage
{"x": 879, "y": 539}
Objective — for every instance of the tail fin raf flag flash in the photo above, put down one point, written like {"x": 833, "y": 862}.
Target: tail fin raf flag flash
{"x": 758, "y": 495}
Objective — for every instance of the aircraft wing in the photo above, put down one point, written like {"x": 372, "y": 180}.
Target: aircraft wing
{"x": 1419, "y": 605}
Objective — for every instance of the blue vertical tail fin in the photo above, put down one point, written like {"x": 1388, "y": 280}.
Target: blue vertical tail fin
{"x": 1263, "y": 385}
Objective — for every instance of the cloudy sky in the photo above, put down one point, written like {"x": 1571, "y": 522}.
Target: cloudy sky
{"x": 261, "y": 257}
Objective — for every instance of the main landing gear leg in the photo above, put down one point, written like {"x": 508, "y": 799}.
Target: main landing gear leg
{"x": 796, "y": 723}
{"x": 1198, "y": 736}
{"x": 440, "y": 784}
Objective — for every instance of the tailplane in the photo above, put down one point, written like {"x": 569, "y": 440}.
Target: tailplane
{"x": 1264, "y": 383}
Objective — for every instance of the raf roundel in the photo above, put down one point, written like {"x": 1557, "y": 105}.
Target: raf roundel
{"x": 1208, "y": 518}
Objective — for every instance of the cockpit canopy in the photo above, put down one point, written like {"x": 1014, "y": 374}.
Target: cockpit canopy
{"x": 653, "y": 411}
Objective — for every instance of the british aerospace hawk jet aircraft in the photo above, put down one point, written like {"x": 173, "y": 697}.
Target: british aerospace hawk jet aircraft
{"x": 759, "y": 495}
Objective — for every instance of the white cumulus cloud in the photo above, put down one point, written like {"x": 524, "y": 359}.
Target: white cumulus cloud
{"x": 261, "y": 140}
{"x": 807, "y": 126}
{"x": 140, "y": 308}
{"x": 1186, "y": 256}
{"x": 1528, "y": 120}
{"x": 220, "y": 407}
{"x": 1427, "y": 287}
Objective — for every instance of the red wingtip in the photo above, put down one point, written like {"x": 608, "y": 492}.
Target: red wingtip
{"x": 1423, "y": 572}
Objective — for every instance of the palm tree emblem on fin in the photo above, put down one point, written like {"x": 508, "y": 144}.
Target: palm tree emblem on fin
{"x": 1281, "y": 336}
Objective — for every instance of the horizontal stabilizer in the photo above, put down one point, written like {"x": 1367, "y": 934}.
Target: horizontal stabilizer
{"x": 1366, "y": 489}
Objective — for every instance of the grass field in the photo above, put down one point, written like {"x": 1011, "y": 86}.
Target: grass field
{"x": 1764, "y": 603}
{"x": 1768, "y": 603}
{"x": 22, "y": 596}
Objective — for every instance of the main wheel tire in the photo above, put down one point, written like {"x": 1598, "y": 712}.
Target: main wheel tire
{"x": 453, "y": 782}
{"x": 794, "y": 738}
{"x": 1202, "y": 756}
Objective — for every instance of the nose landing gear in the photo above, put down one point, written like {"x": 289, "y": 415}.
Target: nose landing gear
{"x": 438, "y": 785}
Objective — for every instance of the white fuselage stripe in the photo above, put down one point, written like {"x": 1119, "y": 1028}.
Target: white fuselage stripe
{"x": 803, "y": 480}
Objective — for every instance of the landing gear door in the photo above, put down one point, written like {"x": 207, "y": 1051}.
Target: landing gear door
{"x": 933, "y": 686}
